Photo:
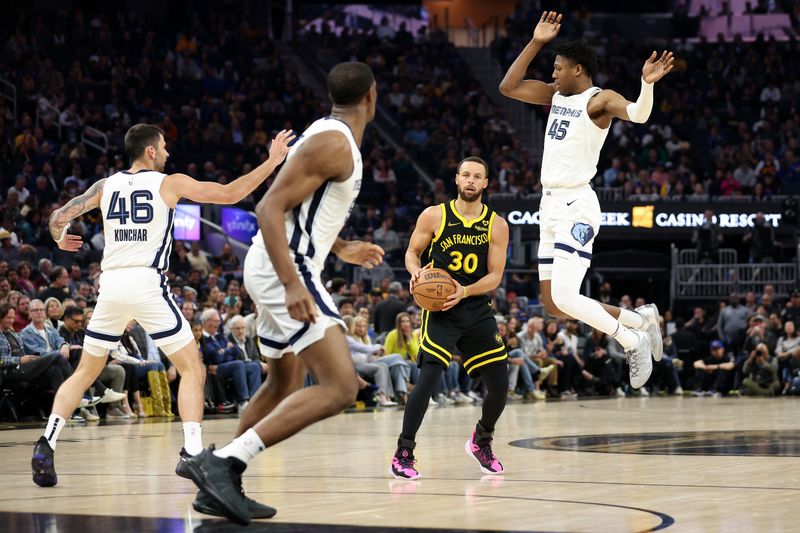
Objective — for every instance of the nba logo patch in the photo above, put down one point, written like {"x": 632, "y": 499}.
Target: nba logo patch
{"x": 583, "y": 233}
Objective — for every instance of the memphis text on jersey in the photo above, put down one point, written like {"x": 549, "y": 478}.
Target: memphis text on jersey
{"x": 565, "y": 111}
{"x": 460, "y": 238}
{"x": 130, "y": 235}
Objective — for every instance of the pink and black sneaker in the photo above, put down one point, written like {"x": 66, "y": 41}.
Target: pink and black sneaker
{"x": 403, "y": 461}
{"x": 482, "y": 452}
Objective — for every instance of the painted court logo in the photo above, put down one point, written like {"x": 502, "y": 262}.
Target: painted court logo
{"x": 583, "y": 233}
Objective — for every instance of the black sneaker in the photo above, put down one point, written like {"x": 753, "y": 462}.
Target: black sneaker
{"x": 180, "y": 469}
{"x": 205, "y": 504}
{"x": 43, "y": 464}
{"x": 221, "y": 480}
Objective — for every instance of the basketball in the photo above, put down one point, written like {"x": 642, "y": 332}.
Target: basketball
{"x": 271, "y": 187}
{"x": 433, "y": 288}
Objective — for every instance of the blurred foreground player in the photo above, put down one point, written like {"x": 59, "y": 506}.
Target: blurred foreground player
{"x": 299, "y": 218}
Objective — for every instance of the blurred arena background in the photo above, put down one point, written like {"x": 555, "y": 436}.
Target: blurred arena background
{"x": 700, "y": 203}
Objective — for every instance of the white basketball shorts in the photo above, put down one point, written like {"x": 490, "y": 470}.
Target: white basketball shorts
{"x": 569, "y": 220}
{"x": 141, "y": 294}
{"x": 278, "y": 333}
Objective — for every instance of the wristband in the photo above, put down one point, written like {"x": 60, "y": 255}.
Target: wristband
{"x": 465, "y": 292}
{"x": 639, "y": 111}
{"x": 63, "y": 235}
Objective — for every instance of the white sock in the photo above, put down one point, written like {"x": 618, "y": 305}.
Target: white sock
{"x": 192, "y": 437}
{"x": 626, "y": 337}
{"x": 631, "y": 319}
{"x": 244, "y": 447}
{"x": 54, "y": 426}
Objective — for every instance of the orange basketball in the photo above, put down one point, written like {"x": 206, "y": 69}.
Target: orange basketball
{"x": 432, "y": 288}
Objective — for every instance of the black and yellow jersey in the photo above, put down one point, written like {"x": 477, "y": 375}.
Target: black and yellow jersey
{"x": 461, "y": 246}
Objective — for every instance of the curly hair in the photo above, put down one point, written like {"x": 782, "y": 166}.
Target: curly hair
{"x": 580, "y": 53}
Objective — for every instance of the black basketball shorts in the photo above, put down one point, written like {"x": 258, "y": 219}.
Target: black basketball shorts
{"x": 470, "y": 327}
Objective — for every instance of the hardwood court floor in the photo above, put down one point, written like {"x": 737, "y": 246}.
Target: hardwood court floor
{"x": 619, "y": 465}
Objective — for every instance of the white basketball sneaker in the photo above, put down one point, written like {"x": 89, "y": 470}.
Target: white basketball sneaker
{"x": 640, "y": 360}
{"x": 649, "y": 314}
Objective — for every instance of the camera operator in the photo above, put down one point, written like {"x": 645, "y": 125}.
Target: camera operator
{"x": 761, "y": 373}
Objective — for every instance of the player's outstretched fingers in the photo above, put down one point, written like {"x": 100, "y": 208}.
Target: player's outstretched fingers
{"x": 375, "y": 256}
{"x": 71, "y": 243}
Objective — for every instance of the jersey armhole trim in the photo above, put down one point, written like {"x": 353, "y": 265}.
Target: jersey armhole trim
{"x": 441, "y": 224}
{"x": 491, "y": 223}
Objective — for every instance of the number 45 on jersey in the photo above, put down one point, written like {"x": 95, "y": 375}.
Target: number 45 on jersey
{"x": 558, "y": 129}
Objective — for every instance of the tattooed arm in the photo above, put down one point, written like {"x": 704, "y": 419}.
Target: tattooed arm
{"x": 61, "y": 218}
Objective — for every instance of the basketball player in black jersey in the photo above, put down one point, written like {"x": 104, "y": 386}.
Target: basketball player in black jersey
{"x": 468, "y": 240}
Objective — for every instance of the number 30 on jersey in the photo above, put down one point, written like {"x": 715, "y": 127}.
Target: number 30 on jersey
{"x": 469, "y": 263}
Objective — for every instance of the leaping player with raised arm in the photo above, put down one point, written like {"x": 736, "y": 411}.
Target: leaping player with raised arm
{"x": 569, "y": 215}
{"x": 138, "y": 207}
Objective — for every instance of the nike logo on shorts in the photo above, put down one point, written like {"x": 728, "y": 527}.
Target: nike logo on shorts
{"x": 570, "y": 203}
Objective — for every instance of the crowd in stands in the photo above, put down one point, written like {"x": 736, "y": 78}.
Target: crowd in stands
{"x": 436, "y": 104}
{"x": 742, "y": 346}
{"x": 725, "y": 120}
{"x": 218, "y": 88}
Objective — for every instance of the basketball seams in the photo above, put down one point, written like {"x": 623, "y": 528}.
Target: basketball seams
{"x": 433, "y": 288}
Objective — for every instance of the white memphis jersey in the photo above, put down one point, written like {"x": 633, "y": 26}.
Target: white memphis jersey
{"x": 137, "y": 223}
{"x": 572, "y": 142}
{"x": 313, "y": 226}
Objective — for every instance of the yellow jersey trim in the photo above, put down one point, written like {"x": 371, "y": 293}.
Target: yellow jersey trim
{"x": 504, "y": 356}
{"x": 468, "y": 223}
{"x": 425, "y": 337}
{"x": 491, "y": 222}
{"x": 441, "y": 225}
{"x": 490, "y": 352}
{"x": 436, "y": 355}
{"x": 438, "y": 234}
